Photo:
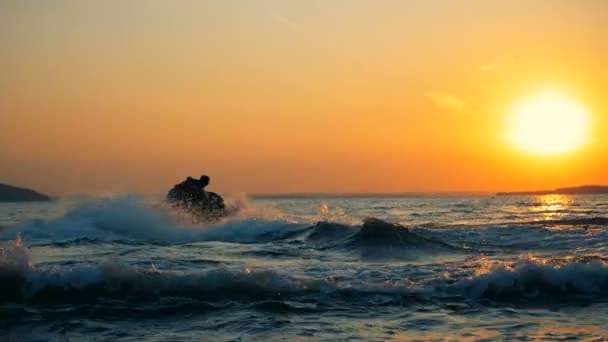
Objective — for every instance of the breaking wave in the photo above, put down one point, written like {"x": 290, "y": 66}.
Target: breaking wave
{"x": 539, "y": 282}
{"x": 126, "y": 220}
{"x": 529, "y": 282}
{"x": 20, "y": 281}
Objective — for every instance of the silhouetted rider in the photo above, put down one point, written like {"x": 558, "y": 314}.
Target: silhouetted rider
{"x": 191, "y": 194}
{"x": 188, "y": 191}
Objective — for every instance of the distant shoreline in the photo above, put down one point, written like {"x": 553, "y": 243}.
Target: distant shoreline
{"x": 577, "y": 190}
{"x": 580, "y": 190}
{"x": 10, "y": 193}
{"x": 366, "y": 195}
{"x": 28, "y": 195}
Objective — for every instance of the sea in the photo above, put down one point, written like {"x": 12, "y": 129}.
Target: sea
{"x": 307, "y": 268}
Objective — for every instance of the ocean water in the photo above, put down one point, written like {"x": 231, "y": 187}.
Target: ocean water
{"x": 467, "y": 268}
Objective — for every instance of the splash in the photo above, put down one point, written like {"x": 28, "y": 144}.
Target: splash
{"x": 326, "y": 214}
{"x": 127, "y": 219}
{"x": 15, "y": 256}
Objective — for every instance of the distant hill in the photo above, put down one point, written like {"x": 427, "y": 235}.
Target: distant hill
{"x": 577, "y": 190}
{"x": 10, "y": 193}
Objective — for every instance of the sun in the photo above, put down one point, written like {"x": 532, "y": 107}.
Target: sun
{"x": 549, "y": 123}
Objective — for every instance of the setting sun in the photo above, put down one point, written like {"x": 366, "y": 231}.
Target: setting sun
{"x": 550, "y": 123}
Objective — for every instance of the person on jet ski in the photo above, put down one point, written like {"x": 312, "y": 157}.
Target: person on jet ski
{"x": 190, "y": 194}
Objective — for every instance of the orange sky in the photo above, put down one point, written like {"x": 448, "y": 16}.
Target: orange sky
{"x": 277, "y": 96}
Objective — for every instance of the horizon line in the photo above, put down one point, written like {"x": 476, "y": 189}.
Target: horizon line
{"x": 367, "y": 194}
{"x": 415, "y": 193}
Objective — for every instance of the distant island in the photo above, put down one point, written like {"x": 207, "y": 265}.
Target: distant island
{"x": 576, "y": 190}
{"x": 9, "y": 193}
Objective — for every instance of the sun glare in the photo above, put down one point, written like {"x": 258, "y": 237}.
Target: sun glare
{"x": 549, "y": 123}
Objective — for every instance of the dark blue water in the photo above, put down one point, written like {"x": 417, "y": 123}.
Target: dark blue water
{"x": 424, "y": 268}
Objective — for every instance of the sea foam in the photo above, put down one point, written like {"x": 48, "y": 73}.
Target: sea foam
{"x": 128, "y": 219}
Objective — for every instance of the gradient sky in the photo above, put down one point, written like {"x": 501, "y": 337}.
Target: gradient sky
{"x": 292, "y": 96}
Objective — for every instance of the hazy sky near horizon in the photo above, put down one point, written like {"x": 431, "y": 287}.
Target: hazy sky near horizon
{"x": 293, "y": 96}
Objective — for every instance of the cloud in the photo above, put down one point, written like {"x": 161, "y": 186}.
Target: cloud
{"x": 281, "y": 19}
{"x": 497, "y": 63}
{"x": 445, "y": 100}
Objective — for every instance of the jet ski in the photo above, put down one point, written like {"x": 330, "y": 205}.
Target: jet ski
{"x": 205, "y": 206}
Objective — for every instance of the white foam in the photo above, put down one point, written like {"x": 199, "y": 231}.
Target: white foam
{"x": 127, "y": 218}
{"x": 15, "y": 257}
{"x": 536, "y": 279}
{"x": 116, "y": 280}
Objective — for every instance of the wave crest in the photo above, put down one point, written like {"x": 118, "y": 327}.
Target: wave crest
{"x": 536, "y": 281}
{"x": 127, "y": 219}
{"x": 85, "y": 282}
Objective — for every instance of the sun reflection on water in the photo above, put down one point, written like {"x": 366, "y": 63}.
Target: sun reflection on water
{"x": 551, "y": 207}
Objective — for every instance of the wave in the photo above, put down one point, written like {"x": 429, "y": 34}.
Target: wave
{"x": 81, "y": 283}
{"x": 373, "y": 239}
{"x": 379, "y": 239}
{"x": 516, "y": 236}
{"x": 128, "y": 220}
{"x": 533, "y": 282}
{"x": 326, "y": 234}
{"x": 574, "y": 221}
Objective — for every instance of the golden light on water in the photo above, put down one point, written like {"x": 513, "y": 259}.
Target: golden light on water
{"x": 552, "y": 206}
{"x": 550, "y": 123}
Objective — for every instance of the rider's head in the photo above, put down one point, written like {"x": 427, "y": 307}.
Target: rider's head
{"x": 204, "y": 181}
